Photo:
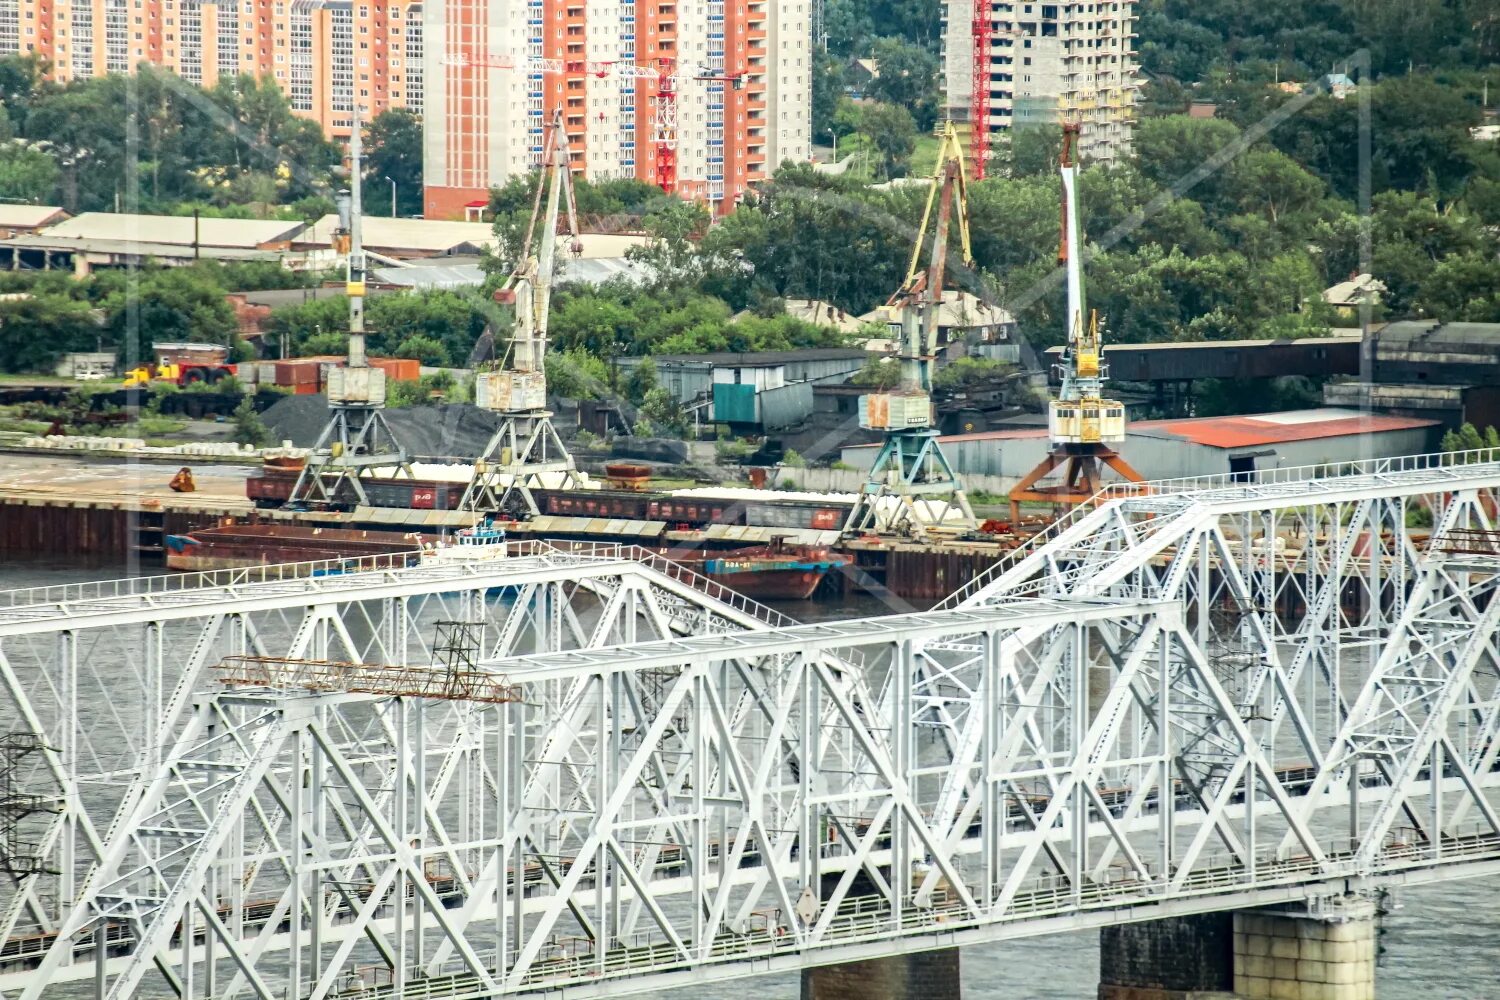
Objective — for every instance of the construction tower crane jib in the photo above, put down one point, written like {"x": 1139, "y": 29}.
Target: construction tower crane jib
{"x": 525, "y": 452}
{"x": 665, "y": 74}
{"x": 912, "y": 488}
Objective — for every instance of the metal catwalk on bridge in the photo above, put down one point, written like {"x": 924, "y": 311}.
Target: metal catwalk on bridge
{"x": 1204, "y": 697}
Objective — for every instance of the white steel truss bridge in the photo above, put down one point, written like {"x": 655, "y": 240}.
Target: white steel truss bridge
{"x": 1206, "y": 697}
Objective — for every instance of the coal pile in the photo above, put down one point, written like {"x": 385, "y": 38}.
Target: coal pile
{"x": 448, "y": 430}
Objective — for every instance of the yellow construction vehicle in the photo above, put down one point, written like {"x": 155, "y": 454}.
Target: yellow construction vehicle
{"x": 183, "y": 364}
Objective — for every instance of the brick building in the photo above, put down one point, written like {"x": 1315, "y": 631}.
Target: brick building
{"x": 496, "y": 70}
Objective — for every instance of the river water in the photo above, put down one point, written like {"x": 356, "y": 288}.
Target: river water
{"x": 1443, "y": 943}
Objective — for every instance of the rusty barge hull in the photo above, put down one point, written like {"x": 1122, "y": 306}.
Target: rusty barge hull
{"x": 247, "y": 545}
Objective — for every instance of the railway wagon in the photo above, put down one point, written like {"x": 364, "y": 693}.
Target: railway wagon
{"x": 274, "y": 489}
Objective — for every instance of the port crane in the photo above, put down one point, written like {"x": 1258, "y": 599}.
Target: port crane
{"x": 911, "y": 466}
{"x": 665, "y": 75}
{"x": 357, "y": 442}
{"x": 525, "y": 452}
{"x": 1081, "y": 424}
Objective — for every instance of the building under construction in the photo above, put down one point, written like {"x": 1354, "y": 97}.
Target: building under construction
{"x": 1009, "y": 65}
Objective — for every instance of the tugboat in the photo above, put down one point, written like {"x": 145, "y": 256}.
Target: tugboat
{"x": 481, "y": 542}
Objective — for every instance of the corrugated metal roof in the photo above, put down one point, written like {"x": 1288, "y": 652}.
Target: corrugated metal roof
{"x": 1477, "y": 337}
{"x": 414, "y": 518}
{"x": 1232, "y": 432}
{"x": 548, "y": 524}
{"x": 1279, "y": 428}
{"x": 1219, "y": 345}
{"x": 244, "y": 234}
{"x": 44, "y": 240}
{"x": 27, "y": 216}
{"x": 434, "y": 236}
{"x": 432, "y": 275}
{"x": 762, "y": 535}
{"x": 760, "y": 359}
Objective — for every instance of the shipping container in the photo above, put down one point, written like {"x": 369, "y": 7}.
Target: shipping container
{"x": 298, "y": 372}
{"x": 399, "y": 369}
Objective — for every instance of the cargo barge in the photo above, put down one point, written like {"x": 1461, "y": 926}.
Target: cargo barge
{"x": 778, "y": 571}
{"x": 240, "y": 546}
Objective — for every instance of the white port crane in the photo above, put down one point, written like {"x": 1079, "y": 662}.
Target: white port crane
{"x": 525, "y": 452}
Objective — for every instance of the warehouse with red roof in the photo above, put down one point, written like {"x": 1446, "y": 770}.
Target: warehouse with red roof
{"x": 1203, "y": 446}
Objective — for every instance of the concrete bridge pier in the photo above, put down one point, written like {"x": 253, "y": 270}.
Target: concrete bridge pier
{"x": 1324, "y": 950}
{"x": 1321, "y": 950}
{"x": 922, "y": 975}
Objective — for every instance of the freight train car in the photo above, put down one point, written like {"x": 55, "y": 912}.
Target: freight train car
{"x": 273, "y": 488}
{"x": 694, "y": 511}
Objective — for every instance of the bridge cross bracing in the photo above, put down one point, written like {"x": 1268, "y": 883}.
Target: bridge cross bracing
{"x": 1177, "y": 702}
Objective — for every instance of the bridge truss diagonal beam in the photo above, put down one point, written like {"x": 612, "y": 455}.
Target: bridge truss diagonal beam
{"x": 1172, "y": 704}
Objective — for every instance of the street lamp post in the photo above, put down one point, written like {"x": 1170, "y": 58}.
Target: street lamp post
{"x": 393, "y": 197}
{"x": 835, "y": 137}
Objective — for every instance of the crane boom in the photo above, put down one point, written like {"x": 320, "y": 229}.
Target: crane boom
{"x": 525, "y": 452}
{"x": 529, "y": 287}
{"x": 911, "y": 464}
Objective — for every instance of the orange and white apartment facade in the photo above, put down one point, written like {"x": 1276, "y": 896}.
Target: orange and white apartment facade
{"x": 320, "y": 52}
{"x": 485, "y": 75}
{"x": 703, "y": 97}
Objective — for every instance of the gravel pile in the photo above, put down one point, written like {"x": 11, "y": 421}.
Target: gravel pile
{"x": 456, "y": 430}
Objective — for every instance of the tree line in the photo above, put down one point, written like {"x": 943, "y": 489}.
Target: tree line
{"x": 152, "y": 142}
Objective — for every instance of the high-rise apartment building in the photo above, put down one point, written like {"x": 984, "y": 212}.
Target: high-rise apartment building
{"x": 1041, "y": 61}
{"x": 738, "y": 73}
{"x": 320, "y": 52}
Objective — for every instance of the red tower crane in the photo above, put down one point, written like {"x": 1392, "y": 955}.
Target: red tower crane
{"x": 979, "y": 96}
{"x": 665, "y": 73}
{"x": 664, "y": 128}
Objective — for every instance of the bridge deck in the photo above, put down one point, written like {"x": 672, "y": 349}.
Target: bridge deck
{"x": 159, "y": 598}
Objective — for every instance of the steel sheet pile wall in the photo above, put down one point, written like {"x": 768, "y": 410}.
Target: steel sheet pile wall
{"x": 64, "y": 529}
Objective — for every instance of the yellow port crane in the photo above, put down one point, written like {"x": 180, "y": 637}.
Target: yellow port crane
{"x": 1081, "y": 423}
